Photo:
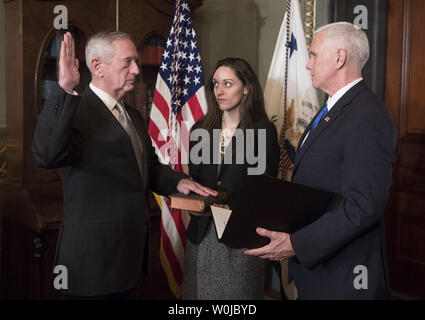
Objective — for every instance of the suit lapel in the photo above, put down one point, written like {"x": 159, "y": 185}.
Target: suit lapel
{"x": 109, "y": 124}
{"x": 306, "y": 130}
{"x": 329, "y": 118}
{"x": 99, "y": 112}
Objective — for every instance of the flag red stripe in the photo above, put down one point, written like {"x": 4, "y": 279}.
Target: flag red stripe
{"x": 195, "y": 107}
{"x": 172, "y": 259}
{"x": 156, "y": 135}
{"x": 161, "y": 104}
{"x": 176, "y": 214}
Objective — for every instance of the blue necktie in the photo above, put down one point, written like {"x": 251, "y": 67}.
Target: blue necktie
{"x": 319, "y": 117}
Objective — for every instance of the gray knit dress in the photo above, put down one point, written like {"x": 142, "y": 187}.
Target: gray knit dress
{"x": 213, "y": 271}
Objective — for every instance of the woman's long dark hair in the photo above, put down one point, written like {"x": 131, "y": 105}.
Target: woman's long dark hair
{"x": 252, "y": 107}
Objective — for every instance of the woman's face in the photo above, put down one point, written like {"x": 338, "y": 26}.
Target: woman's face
{"x": 229, "y": 91}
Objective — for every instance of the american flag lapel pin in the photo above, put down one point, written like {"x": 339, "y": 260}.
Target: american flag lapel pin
{"x": 327, "y": 119}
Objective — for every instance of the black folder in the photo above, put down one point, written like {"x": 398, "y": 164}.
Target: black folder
{"x": 273, "y": 204}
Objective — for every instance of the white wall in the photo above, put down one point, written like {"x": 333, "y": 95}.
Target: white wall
{"x": 272, "y": 13}
{"x": 239, "y": 28}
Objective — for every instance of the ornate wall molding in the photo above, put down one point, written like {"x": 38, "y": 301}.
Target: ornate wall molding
{"x": 309, "y": 19}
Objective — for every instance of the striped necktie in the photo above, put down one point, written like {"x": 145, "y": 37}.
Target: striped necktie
{"x": 128, "y": 126}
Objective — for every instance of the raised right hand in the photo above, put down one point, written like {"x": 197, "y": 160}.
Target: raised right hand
{"x": 69, "y": 77}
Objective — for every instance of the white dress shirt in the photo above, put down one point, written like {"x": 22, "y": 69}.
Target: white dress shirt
{"x": 332, "y": 100}
{"x": 106, "y": 99}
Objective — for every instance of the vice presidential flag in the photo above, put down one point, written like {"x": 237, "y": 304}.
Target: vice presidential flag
{"x": 288, "y": 75}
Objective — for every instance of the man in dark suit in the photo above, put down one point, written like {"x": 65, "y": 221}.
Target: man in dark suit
{"x": 106, "y": 162}
{"x": 348, "y": 148}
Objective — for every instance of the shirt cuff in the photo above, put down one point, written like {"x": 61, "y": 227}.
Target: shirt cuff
{"x": 74, "y": 93}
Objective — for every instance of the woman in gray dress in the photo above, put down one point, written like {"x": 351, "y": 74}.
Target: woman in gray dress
{"x": 211, "y": 269}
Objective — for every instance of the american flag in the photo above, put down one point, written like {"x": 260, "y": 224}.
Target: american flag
{"x": 179, "y": 101}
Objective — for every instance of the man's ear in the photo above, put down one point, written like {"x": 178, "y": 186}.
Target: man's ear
{"x": 96, "y": 65}
{"x": 341, "y": 58}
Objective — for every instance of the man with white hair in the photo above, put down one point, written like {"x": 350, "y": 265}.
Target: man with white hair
{"x": 348, "y": 148}
{"x": 107, "y": 162}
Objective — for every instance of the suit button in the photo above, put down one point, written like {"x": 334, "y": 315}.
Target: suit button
{"x": 219, "y": 183}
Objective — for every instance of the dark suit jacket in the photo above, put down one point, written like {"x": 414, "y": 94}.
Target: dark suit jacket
{"x": 231, "y": 177}
{"x": 103, "y": 240}
{"x": 350, "y": 153}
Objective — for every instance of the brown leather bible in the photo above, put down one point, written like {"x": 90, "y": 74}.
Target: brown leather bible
{"x": 195, "y": 202}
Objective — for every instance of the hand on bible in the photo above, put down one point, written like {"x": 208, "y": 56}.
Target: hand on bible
{"x": 186, "y": 186}
{"x": 69, "y": 77}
